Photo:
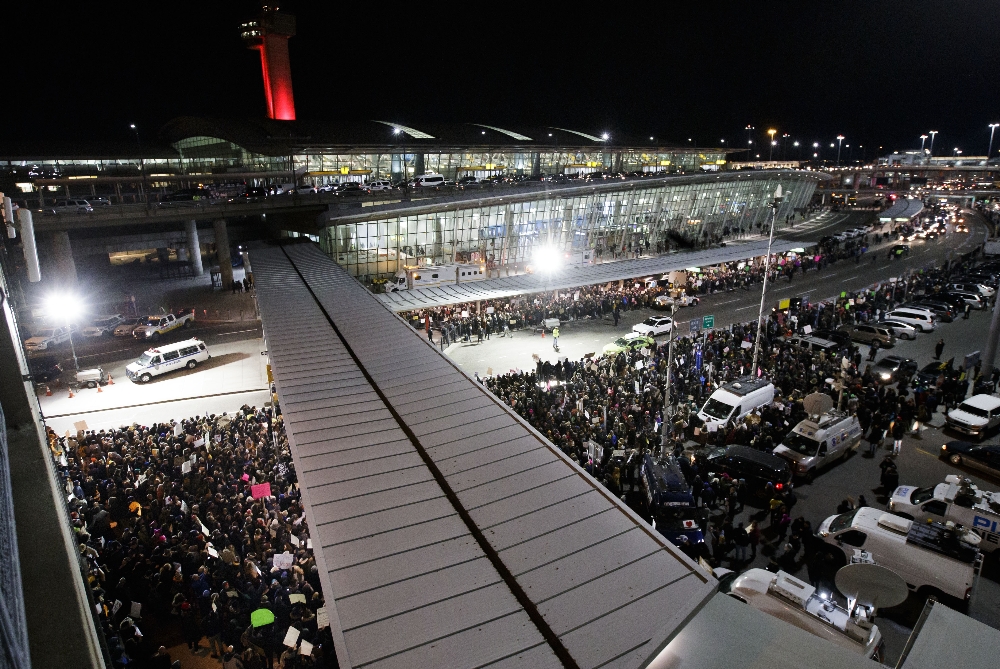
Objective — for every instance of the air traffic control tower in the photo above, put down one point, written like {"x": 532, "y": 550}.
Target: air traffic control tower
{"x": 269, "y": 33}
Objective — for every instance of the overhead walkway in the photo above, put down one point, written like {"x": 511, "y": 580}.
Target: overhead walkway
{"x": 448, "y": 532}
{"x": 573, "y": 277}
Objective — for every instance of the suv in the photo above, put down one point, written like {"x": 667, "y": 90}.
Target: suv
{"x": 47, "y": 338}
{"x": 378, "y": 186}
{"x": 893, "y": 368}
{"x": 757, "y": 468}
{"x": 974, "y": 300}
{"x": 71, "y": 207}
{"x": 868, "y": 333}
{"x": 972, "y": 287}
{"x": 944, "y": 311}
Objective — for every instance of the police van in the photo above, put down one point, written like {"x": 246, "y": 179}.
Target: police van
{"x": 819, "y": 441}
{"x": 933, "y": 558}
{"x": 430, "y": 276}
{"x": 670, "y": 500}
{"x": 735, "y": 400}
{"x": 167, "y": 358}
{"x": 957, "y": 500}
{"x": 796, "y": 602}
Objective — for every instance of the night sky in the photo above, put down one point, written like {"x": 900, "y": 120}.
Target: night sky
{"x": 880, "y": 73}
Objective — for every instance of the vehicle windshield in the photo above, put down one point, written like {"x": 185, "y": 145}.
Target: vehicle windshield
{"x": 651, "y": 321}
{"x": 144, "y": 359}
{"x": 843, "y": 521}
{"x": 717, "y": 409}
{"x": 975, "y": 411}
{"x": 921, "y": 495}
{"x": 153, "y": 320}
{"x": 48, "y": 332}
{"x": 801, "y": 444}
{"x": 621, "y": 341}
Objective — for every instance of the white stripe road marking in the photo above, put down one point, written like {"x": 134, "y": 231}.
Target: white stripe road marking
{"x": 751, "y": 306}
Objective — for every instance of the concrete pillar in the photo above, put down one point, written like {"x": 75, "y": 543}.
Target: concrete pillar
{"x": 194, "y": 248}
{"x": 222, "y": 252}
{"x": 418, "y": 164}
{"x": 62, "y": 253}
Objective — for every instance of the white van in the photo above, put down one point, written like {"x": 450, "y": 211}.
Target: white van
{"x": 819, "y": 441}
{"x": 796, "y": 602}
{"x": 975, "y": 416}
{"x": 429, "y": 180}
{"x": 932, "y": 558}
{"x": 921, "y": 319}
{"x": 167, "y": 358}
{"x": 735, "y": 400}
{"x": 957, "y": 500}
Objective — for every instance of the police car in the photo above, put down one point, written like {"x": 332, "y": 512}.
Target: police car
{"x": 957, "y": 500}
{"x": 670, "y": 500}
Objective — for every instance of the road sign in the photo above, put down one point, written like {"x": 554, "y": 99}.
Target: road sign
{"x": 695, "y": 326}
{"x": 708, "y": 322}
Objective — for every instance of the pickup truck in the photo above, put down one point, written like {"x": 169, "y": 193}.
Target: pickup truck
{"x": 157, "y": 326}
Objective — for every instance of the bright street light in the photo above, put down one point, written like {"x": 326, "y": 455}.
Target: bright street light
{"x": 605, "y": 137}
{"x": 547, "y": 258}
{"x": 993, "y": 127}
{"x": 64, "y": 308}
{"x": 772, "y": 133}
{"x": 932, "y": 133}
{"x": 840, "y": 142}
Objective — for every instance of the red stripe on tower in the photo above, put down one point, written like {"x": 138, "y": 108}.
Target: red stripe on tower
{"x": 269, "y": 34}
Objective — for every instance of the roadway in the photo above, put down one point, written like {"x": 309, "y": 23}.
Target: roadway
{"x": 235, "y": 375}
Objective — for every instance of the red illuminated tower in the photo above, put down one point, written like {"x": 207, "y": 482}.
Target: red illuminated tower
{"x": 269, "y": 34}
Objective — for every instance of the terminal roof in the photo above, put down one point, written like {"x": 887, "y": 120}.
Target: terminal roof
{"x": 448, "y": 532}
{"x": 576, "y": 276}
{"x": 903, "y": 210}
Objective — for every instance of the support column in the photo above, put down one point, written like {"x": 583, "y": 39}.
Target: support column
{"x": 62, "y": 253}
{"x": 194, "y": 248}
{"x": 222, "y": 252}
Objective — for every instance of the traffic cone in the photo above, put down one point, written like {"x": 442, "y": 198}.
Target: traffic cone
{"x": 543, "y": 332}
{"x": 99, "y": 389}
{"x": 71, "y": 392}
{"x": 48, "y": 392}
{"x": 111, "y": 380}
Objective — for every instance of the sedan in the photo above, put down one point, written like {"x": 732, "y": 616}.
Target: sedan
{"x": 985, "y": 459}
{"x": 126, "y": 327}
{"x": 666, "y": 301}
{"x": 102, "y": 326}
{"x": 654, "y": 325}
{"x": 633, "y": 341}
{"x": 900, "y": 329}
{"x": 894, "y": 368}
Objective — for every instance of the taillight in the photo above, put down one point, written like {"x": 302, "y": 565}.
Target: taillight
{"x": 779, "y": 486}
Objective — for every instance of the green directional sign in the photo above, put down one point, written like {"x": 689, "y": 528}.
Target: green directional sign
{"x": 708, "y": 322}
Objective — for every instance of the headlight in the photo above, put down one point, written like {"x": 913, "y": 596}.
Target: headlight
{"x": 824, "y": 533}
{"x": 944, "y": 447}
{"x": 892, "y": 506}
{"x": 885, "y": 375}
{"x": 801, "y": 467}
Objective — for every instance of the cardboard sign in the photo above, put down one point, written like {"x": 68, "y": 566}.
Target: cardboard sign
{"x": 745, "y": 344}
{"x": 284, "y": 560}
{"x": 291, "y": 637}
{"x": 260, "y": 490}
{"x": 297, "y": 598}
{"x": 322, "y": 619}
{"x": 490, "y": 310}
{"x": 80, "y": 426}
{"x": 211, "y": 551}
{"x": 178, "y": 430}
{"x": 306, "y": 648}
{"x": 186, "y": 467}
{"x": 135, "y": 611}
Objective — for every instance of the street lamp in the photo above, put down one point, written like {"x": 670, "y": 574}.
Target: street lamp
{"x": 923, "y": 138}
{"x": 993, "y": 127}
{"x": 773, "y": 205}
{"x": 784, "y": 144}
{"x": 142, "y": 164}
{"x": 64, "y": 308}
{"x": 956, "y": 151}
{"x": 840, "y": 142}
{"x": 816, "y": 151}
{"x": 749, "y": 141}
{"x": 772, "y": 132}
{"x": 932, "y": 133}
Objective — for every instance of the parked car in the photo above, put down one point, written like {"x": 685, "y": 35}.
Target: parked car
{"x": 985, "y": 459}
{"x": 867, "y": 334}
{"x": 974, "y": 300}
{"x": 654, "y": 325}
{"x": 900, "y": 329}
{"x": 757, "y": 468}
{"x": 125, "y": 328}
{"x": 70, "y": 207}
{"x": 47, "y": 338}
{"x": 98, "y": 202}
{"x": 894, "y": 368}
{"x": 836, "y": 336}
{"x": 102, "y": 326}
{"x": 378, "y": 186}
{"x": 943, "y": 311}
{"x": 633, "y": 341}
{"x": 977, "y": 416}
{"x": 44, "y": 368}
{"x": 972, "y": 287}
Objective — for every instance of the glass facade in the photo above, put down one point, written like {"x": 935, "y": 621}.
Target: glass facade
{"x": 675, "y": 212}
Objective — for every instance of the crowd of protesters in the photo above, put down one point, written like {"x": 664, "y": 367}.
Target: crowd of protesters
{"x": 181, "y": 541}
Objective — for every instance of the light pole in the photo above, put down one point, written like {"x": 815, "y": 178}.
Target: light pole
{"x": 923, "y": 138}
{"x": 784, "y": 144}
{"x": 816, "y": 152}
{"x": 932, "y": 133}
{"x": 668, "y": 404}
{"x": 993, "y": 127}
{"x": 749, "y": 141}
{"x": 142, "y": 164}
{"x": 772, "y": 132}
{"x": 840, "y": 142}
{"x": 65, "y": 308}
{"x": 778, "y": 196}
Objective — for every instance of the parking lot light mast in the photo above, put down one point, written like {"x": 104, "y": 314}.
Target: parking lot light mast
{"x": 772, "y": 132}
{"x": 778, "y": 196}
{"x": 993, "y": 127}
{"x": 64, "y": 308}
{"x": 749, "y": 141}
{"x": 923, "y": 138}
{"x": 840, "y": 142}
{"x": 932, "y": 133}
{"x": 142, "y": 165}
